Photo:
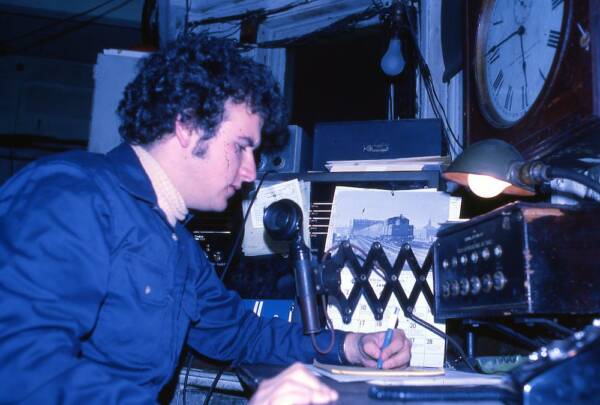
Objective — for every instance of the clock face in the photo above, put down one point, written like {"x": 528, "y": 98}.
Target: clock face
{"x": 516, "y": 49}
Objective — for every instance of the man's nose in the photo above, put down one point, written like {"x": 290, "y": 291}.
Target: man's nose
{"x": 248, "y": 167}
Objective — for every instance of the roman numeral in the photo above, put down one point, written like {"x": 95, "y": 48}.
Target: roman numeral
{"x": 556, "y": 3}
{"x": 524, "y": 101}
{"x": 498, "y": 82}
{"x": 553, "y": 38}
{"x": 494, "y": 56}
{"x": 509, "y": 98}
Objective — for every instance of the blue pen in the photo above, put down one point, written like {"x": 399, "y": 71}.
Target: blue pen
{"x": 386, "y": 342}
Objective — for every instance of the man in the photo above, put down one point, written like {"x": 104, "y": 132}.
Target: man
{"x": 100, "y": 282}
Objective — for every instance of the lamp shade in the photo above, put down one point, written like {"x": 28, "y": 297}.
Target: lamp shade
{"x": 493, "y": 158}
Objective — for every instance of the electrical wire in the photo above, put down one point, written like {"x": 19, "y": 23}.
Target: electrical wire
{"x": 238, "y": 238}
{"x": 344, "y": 24}
{"x": 329, "y": 326}
{"x": 260, "y": 13}
{"x": 188, "y": 365}
{"x": 58, "y": 22}
{"x": 149, "y": 23}
{"x": 234, "y": 249}
{"x": 67, "y": 31}
{"x": 443, "y": 335}
{"x": 186, "y": 21}
{"x": 434, "y": 100}
{"x": 557, "y": 172}
{"x": 213, "y": 385}
{"x": 232, "y": 30}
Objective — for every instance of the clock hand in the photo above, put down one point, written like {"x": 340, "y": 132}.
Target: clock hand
{"x": 519, "y": 31}
{"x": 524, "y": 63}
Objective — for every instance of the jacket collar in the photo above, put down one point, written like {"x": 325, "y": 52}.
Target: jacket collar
{"x": 130, "y": 173}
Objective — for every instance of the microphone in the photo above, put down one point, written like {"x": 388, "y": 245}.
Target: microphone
{"x": 283, "y": 221}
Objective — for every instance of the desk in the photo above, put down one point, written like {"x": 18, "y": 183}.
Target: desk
{"x": 349, "y": 393}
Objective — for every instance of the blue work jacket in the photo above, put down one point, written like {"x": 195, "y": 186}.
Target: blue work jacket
{"x": 98, "y": 293}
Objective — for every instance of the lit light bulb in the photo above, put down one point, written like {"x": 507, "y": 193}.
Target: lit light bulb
{"x": 393, "y": 61}
{"x": 486, "y": 186}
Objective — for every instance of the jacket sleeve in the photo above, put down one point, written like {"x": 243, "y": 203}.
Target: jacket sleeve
{"x": 226, "y": 330}
{"x": 54, "y": 262}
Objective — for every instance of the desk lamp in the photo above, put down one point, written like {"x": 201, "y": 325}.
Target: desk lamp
{"x": 492, "y": 166}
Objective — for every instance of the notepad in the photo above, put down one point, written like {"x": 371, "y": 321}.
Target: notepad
{"x": 410, "y": 376}
{"x": 378, "y": 373}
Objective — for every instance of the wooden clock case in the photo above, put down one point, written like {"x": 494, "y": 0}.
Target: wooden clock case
{"x": 569, "y": 104}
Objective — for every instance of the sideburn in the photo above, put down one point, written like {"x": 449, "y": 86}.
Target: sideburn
{"x": 200, "y": 148}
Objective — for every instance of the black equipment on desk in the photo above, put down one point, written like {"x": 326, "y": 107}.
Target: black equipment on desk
{"x": 565, "y": 371}
{"x": 519, "y": 259}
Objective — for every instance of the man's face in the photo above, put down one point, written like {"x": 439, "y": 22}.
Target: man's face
{"x": 227, "y": 161}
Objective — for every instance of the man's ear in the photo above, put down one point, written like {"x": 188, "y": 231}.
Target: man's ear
{"x": 183, "y": 134}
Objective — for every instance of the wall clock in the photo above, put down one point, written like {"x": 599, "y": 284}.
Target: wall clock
{"x": 531, "y": 72}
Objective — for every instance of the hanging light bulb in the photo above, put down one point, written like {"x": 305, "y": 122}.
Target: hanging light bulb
{"x": 393, "y": 61}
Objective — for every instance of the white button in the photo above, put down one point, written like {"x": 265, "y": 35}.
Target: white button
{"x": 174, "y": 237}
{"x": 147, "y": 290}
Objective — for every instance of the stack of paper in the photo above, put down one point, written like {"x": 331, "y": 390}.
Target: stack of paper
{"x": 389, "y": 165}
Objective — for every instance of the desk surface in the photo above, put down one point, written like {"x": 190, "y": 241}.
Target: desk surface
{"x": 349, "y": 393}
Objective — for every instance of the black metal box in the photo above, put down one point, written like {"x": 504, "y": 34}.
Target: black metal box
{"x": 519, "y": 259}
{"x": 366, "y": 140}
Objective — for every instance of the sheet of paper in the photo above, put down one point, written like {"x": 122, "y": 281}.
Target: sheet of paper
{"x": 375, "y": 372}
{"x": 382, "y": 165}
{"x": 256, "y": 240}
{"x": 364, "y": 216}
{"x": 413, "y": 376}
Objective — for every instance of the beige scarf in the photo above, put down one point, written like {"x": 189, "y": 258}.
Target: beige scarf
{"x": 169, "y": 199}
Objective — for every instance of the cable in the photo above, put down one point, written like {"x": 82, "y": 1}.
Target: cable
{"x": 67, "y": 31}
{"x": 441, "y": 334}
{"x": 345, "y": 23}
{"x": 149, "y": 22}
{"x": 213, "y": 385}
{"x": 238, "y": 239}
{"x": 255, "y": 13}
{"x": 186, "y": 21}
{"x": 557, "y": 172}
{"x": 58, "y": 22}
{"x": 188, "y": 366}
{"x": 222, "y": 277}
{"x": 329, "y": 326}
{"x": 430, "y": 88}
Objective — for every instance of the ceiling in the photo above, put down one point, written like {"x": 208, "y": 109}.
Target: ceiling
{"x": 66, "y": 29}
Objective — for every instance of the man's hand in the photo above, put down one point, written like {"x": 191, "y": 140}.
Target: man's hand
{"x": 294, "y": 385}
{"x": 365, "y": 349}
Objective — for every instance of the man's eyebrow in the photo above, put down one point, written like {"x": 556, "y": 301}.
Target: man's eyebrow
{"x": 249, "y": 140}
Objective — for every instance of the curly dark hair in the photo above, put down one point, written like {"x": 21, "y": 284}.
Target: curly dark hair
{"x": 190, "y": 80}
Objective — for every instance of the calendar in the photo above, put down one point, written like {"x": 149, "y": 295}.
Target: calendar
{"x": 391, "y": 218}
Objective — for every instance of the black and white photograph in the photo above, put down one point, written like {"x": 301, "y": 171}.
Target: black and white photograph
{"x": 392, "y": 218}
